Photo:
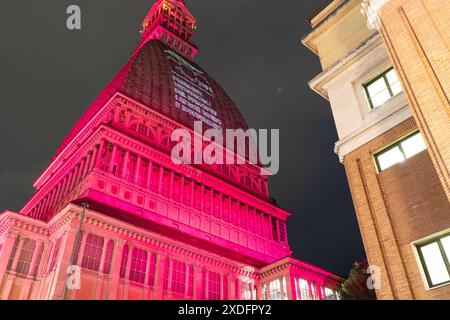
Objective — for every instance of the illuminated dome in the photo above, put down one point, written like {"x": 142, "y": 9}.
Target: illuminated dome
{"x": 164, "y": 81}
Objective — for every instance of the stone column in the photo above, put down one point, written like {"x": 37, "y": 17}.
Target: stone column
{"x": 63, "y": 262}
{"x": 113, "y": 159}
{"x": 137, "y": 172}
{"x": 125, "y": 165}
{"x": 8, "y": 247}
{"x": 115, "y": 269}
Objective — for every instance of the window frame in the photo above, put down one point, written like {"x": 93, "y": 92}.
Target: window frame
{"x": 423, "y": 266}
{"x": 395, "y": 144}
{"x": 388, "y": 85}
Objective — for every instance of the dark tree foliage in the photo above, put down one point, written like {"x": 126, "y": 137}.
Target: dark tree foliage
{"x": 355, "y": 286}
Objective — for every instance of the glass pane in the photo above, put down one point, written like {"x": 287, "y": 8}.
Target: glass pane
{"x": 392, "y": 77}
{"x": 413, "y": 145}
{"x": 446, "y": 244}
{"x": 380, "y": 98}
{"x": 435, "y": 264}
{"x": 389, "y": 158}
{"x": 396, "y": 88}
{"x": 376, "y": 87}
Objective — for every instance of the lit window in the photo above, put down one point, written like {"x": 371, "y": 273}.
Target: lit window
{"x": 178, "y": 277}
{"x": 23, "y": 265}
{"x": 246, "y": 293}
{"x": 400, "y": 151}
{"x": 329, "y": 294}
{"x": 92, "y": 252}
{"x": 283, "y": 281}
{"x": 382, "y": 88}
{"x": 213, "y": 286}
{"x": 434, "y": 256}
{"x": 304, "y": 289}
{"x": 275, "y": 290}
{"x": 138, "y": 265}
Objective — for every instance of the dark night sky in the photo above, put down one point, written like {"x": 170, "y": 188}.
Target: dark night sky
{"x": 49, "y": 76}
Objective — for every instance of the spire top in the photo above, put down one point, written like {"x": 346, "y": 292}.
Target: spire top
{"x": 171, "y": 22}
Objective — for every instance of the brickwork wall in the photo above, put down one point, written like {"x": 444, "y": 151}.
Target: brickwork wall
{"x": 400, "y": 205}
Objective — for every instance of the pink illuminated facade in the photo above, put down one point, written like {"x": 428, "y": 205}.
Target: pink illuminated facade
{"x": 153, "y": 229}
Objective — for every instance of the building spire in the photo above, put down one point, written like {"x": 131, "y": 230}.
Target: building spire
{"x": 170, "y": 22}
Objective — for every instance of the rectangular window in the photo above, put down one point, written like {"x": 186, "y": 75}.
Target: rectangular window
{"x": 329, "y": 294}
{"x": 275, "y": 290}
{"x": 138, "y": 265}
{"x": 23, "y": 265}
{"x": 178, "y": 277}
{"x": 304, "y": 289}
{"x": 382, "y": 88}
{"x": 92, "y": 252}
{"x": 213, "y": 286}
{"x": 400, "y": 151}
{"x": 435, "y": 256}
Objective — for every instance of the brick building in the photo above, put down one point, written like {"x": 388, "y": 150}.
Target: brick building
{"x": 386, "y": 75}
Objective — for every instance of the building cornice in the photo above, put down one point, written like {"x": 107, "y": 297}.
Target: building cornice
{"x": 371, "y": 10}
{"x": 319, "y": 83}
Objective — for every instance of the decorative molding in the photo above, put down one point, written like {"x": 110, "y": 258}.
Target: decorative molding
{"x": 371, "y": 10}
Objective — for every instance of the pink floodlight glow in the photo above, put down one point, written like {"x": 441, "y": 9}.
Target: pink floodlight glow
{"x": 113, "y": 216}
